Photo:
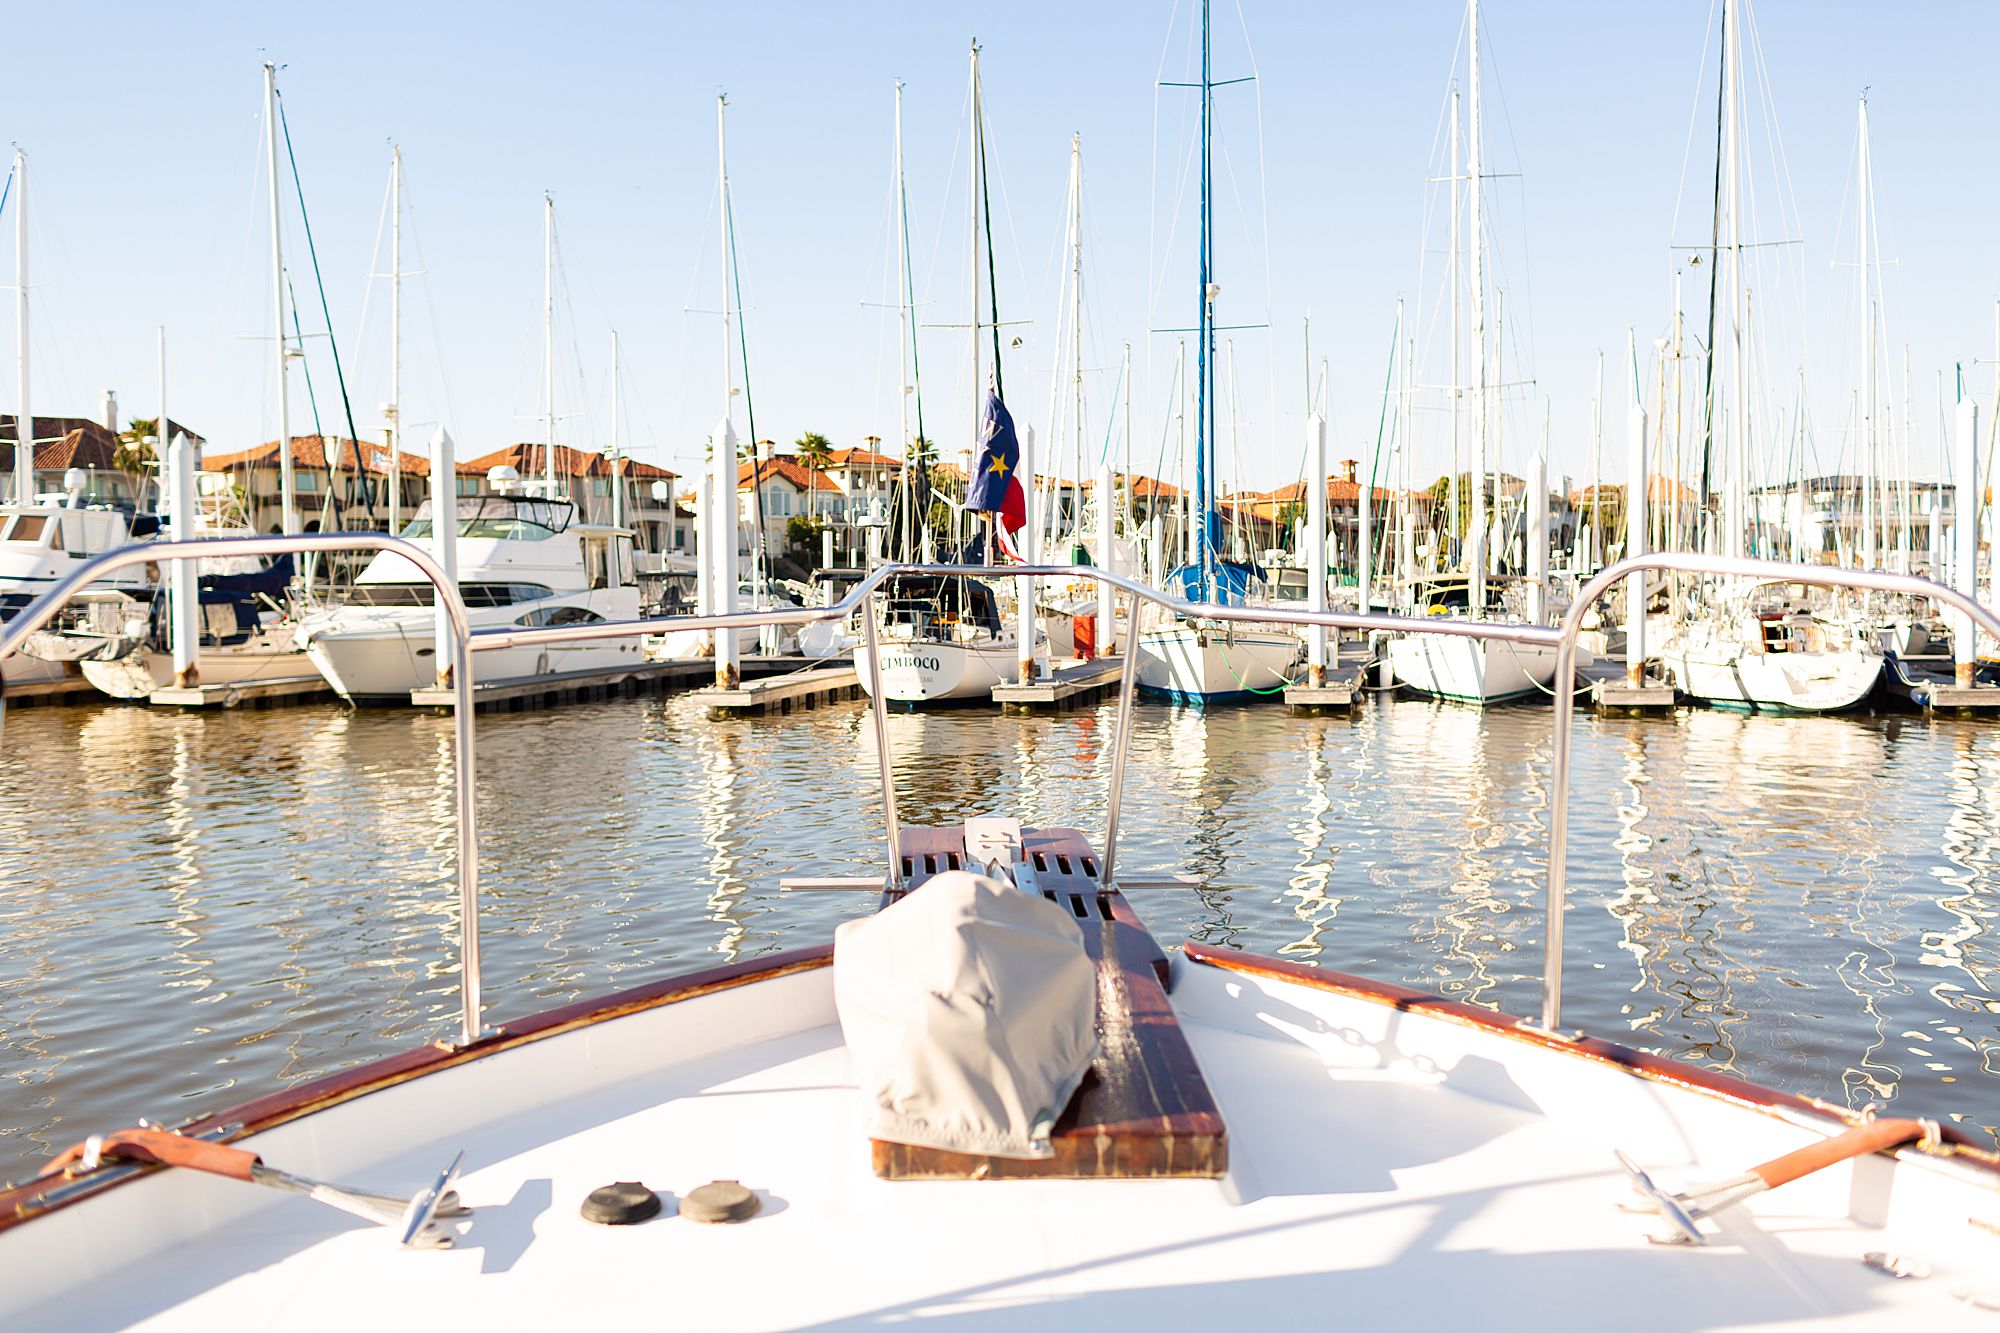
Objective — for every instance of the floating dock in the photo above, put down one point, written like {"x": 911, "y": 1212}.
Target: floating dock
{"x": 1069, "y": 686}
{"x": 794, "y": 691}
{"x": 1931, "y": 684}
{"x": 528, "y": 693}
{"x": 1612, "y": 692}
{"x": 268, "y": 693}
{"x": 71, "y": 689}
{"x": 1345, "y": 681}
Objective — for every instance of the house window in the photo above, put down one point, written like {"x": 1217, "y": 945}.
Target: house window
{"x": 600, "y": 486}
{"x": 305, "y": 481}
{"x": 468, "y": 486}
{"x": 778, "y": 502}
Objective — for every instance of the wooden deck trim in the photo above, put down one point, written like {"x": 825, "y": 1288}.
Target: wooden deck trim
{"x": 24, "y": 1202}
{"x": 1957, "y": 1145}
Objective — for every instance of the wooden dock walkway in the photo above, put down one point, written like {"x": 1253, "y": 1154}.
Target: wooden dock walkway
{"x": 273, "y": 692}
{"x": 528, "y": 693}
{"x": 1604, "y": 681}
{"x": 71, "y": 689}
{"x": 794, "y": 691}
{"x": 1070, "y": 686}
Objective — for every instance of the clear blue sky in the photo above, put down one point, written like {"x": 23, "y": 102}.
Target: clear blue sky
{"x": 143, "y": 142}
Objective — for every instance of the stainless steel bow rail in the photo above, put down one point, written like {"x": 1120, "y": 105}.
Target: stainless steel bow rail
{"x": 14, "y": 632}
{"x": 1562, "y": 639}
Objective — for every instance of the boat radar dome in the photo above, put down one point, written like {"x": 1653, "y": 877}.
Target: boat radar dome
{"x": 502, "y": 478}
{"x": 75, "y": 480}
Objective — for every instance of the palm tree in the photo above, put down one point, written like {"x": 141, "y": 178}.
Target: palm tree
{"x": 817, "y": 451}
{"x": 134, "y": 455}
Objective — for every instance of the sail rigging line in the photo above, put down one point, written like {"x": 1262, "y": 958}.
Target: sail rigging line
{"x": 326, "y": 312}
{"x": 1702, "y": 521}
{"x": 749, "y": 402}
{"x": 312, "y": 399}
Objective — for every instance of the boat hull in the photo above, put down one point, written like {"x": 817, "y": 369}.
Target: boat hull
{"x": 267, "y": 655}
{"x": 1450, "y": 666}
{"x": 1797, "y": 682}
{"x": 1201, "y": 666}
{"x": 387, "y": 664}
{"x": 916, "y": 671}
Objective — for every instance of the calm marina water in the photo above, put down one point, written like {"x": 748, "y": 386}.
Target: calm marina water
{"x": 195, "y": 909}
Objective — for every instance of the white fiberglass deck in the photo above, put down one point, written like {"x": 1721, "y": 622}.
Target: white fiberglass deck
{"x": 1388, "y": 1170}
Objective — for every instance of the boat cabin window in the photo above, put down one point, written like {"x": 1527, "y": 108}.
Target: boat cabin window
{"x": 559, "y": 615}
{"x": 25, "y": 528}
{"x": 598, "y": 570}
{"x": 502, "y": 517}
{"x": 423, "y": 594}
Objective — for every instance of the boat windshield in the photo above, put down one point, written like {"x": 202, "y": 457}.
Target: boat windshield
{"x": 521, "y": 518}
{"x": 423, "y": 594}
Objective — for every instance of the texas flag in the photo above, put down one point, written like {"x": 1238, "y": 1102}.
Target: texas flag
{"x": 995, "y": 488}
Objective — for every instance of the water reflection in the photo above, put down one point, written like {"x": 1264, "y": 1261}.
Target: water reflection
{"x": 197, "y": 907}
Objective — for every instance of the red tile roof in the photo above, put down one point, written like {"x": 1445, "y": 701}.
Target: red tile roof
{"x": 788, "y": 469}
{"x": 861, "y": 458}
{"x": 312, "y": 451}
{"x": 529, "y": 461}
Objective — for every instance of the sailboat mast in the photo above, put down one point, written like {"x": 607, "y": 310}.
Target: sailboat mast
{"x": 1204, "y": 409}
{"x": 287, "y": 500}
{"x": 24, "y": 412}
{"x": 1736, "y": 482}
{"x": 1475, "y": 182}
{"x": 1864, "y": 237}
{"x": 910, "y": 520}
{"x": 1451, "y": 523}
{"x": 1076, "y": 325}
{"x": 549, "y": 342}
{"x": 972, "y": 196}
{"x": 395, "y": 413}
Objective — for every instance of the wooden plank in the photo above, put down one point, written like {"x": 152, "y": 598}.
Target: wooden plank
{"x": 1144, "y": 1110}
{"x": 1069, "y": 685}
{"x": 290, "y": 689}
{"x": 793, "y": 690}
{"x": 567, "y": 683}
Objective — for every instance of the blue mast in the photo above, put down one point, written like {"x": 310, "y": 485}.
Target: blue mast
{"x": 1204, "y": 402}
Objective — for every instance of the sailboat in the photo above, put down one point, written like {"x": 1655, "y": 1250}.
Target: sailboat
{"x": 1449, "y": 666}
{"x": 1761, "y": 647}
{"x": 949, "y": 639}
{"x": 1190, "y": 660}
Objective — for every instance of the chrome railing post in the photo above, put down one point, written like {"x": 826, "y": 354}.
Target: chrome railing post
{"x": 1128, "y": 676}
{"x": 1558, "y": 885}
{"x": 464, "y": 800}
{"x": 879, "y": 709}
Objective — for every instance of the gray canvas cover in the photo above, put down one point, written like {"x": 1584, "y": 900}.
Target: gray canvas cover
{"x": 969, "y": 1010}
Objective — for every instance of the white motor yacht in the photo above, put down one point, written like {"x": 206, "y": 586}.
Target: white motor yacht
{"x": 40, "y": 543}
{"x": 522, "y": 560}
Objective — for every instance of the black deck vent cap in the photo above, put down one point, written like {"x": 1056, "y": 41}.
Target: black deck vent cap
{"x": 621, "y": 1205}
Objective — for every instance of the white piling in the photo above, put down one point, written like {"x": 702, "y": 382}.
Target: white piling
{"x": 1635, "y": 543}
{"x": 1316, "y": 644}
{"x": 1538, "y": 539}
{"x": 444, "y": 545}
{"x": 184, "y": 597}
{"x": 1965, "y": 528}
{"x": 722, "y": 543}
{"x": 1107, "y": 535}
{"x": 1364, "y": 540}
{"x": 1030, "y": 548}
